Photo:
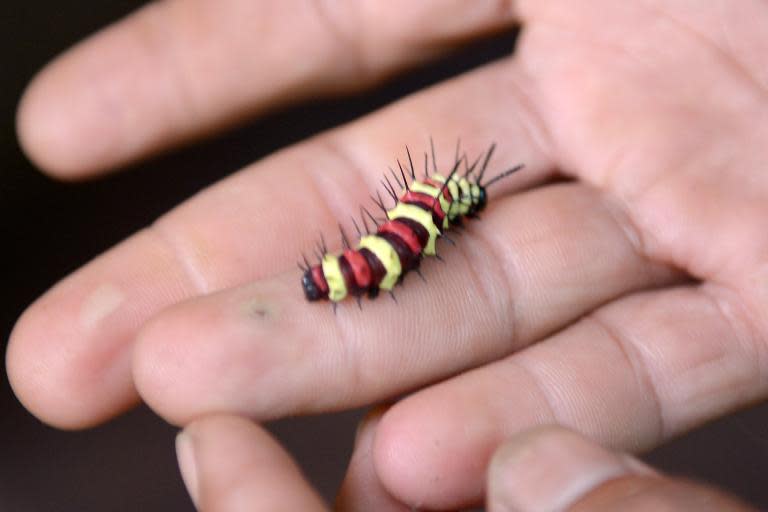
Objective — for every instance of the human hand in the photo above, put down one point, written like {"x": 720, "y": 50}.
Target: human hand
{"x": 657, "y": 112}
{"x": 230, "y": 464}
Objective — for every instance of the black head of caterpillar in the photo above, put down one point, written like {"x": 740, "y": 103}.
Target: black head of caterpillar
{"x": 423, "y": 210}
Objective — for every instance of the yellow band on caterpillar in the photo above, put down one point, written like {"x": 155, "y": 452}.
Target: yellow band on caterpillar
{"x": 423, "y": 217}
{"x": 337, "y": 288}
{"x": 475, "y": 193}
{"x": 465, "y": 196}
{"x": 457, "y": 207}
{"x": 453, "y": 188}
{"x": 431, "y": 191}
{"x": 387, "y": 256}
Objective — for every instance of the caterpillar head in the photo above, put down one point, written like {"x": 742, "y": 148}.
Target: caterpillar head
{"x": 482, "y": 200}
{"x": 313, "y": 290}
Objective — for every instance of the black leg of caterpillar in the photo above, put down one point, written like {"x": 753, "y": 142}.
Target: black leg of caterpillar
{"x": 402, "y": 173}
{"x": 319, "y": 252}
{"x": 388, "y": 189}
{"x": 485, "y": 162}
{"x": 434, "y": 160}
{"x": 391, "y": 294}
{"x": 426, "y": 165}
{"x": 418, "y": 273}
{"x": 501, "y": 176}
{"x": 376, "y": 223}
{"x": 471, "y": 168}
{"x": 458, "y": 148}
{"x": 439, "y": 258}
{"x": 449, "y": 240}
{"x": 344, "y": 240}
{"x": 410, "y": 162}
{"x": 359, "y": 302}
{"x": 334, "y": 306}
{"x": 306, "y": 261}
{"x": 365, "y": 223}
{"x": 391, "y": 187}
{"x": 397, "y": 180}
{"x": 322, "y": 241}
{"x": 379, "y": 202}
{"x": 357, "y": 228}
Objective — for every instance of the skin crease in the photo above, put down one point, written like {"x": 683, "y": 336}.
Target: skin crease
{"x": 656, "y": 109}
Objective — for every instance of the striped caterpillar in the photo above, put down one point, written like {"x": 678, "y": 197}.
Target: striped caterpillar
{"x": 421, "y": 214}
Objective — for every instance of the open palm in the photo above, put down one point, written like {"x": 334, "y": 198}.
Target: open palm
{"x": 625, "y": 303}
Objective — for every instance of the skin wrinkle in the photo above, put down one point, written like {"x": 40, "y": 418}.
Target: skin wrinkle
{"x": 640, "y": 371}
{"x": 533, "y": 377}
{"x": 736, "y": 317}
{"x": 183, "y": 253}
{"x": 152, "y": 37}
{"x": 653, "y": 249}
{"x": 508, "y": 269}
{"x": 349, "y": 44}
{"x": 531, "y": 119}
{"x": 349, "y": 363}
{"x": 713, "y": 46}
{"x": 173, "y": 57}
{"x": 730, "y": 48}
{"x": 634, "y": 207}
{"x": 618, "y": 209}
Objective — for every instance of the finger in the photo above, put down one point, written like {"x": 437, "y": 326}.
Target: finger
{"x": 68, "y": 354}
{"x": 230, "y": 464}
{"x": 178, "y": 69}
{"x": 634, "y": 373}
{"x": 552, "y": 469}
{"x": 361, "y": 490}
{"x": 536, "y": 262}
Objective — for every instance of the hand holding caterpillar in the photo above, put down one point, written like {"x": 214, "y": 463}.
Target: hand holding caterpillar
{"x": 421, "y": 214}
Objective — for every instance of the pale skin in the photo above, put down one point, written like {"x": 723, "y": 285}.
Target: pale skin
{"x": 626, "y": 304}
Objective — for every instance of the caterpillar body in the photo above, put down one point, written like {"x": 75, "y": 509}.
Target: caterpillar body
{"x": 422, "y": 212}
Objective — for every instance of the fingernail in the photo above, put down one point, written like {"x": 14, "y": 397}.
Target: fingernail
{"x": 549, "y": 470}
{"x": 185, "y": 454}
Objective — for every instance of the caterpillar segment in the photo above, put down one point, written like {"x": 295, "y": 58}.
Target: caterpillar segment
{"x": 422, "y": 212}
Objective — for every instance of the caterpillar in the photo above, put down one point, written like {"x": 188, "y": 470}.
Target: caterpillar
{"x": 423, "y": 211}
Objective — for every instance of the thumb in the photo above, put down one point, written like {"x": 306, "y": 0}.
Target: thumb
{"x": 553, "y": 469}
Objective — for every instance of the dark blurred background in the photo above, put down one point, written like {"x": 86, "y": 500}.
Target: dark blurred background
{"x": 49, "y": 229}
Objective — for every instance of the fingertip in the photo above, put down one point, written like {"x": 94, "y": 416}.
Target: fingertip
{"x": 104, "y": 102}
{"x": 415, "y": 455}
{"x": 166, "y": 357}
{"x": 229, "y": 463}
{"x": 361, "y": 488}
{"x": 62, "y": 127}
{"x": 63, "y": 388}
{"x": 187, "y": 460}
{"x": 550, "y": 468}
{"x": 69, "y": 355}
